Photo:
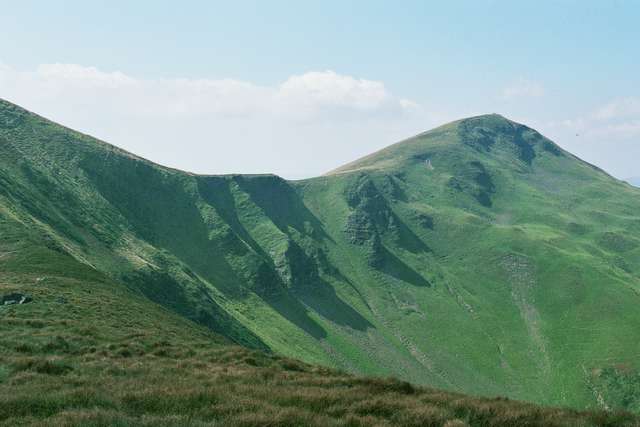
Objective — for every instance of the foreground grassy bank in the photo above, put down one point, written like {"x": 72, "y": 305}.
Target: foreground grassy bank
{"x": 89, "y": 352}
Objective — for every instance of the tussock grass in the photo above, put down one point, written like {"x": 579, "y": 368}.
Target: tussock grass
{"x": 161, "y": 370}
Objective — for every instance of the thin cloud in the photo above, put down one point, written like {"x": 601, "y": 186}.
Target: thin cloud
{"x": 623, "y": 108}
{"x": 617, "y": 119}
{"x": 302, "y": 126}
{"x": 523, "y": 88}
{"x": 308, "y": 95}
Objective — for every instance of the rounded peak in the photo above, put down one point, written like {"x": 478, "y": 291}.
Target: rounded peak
{"x": 486, "y": 116}
{"x": 480, "y": 132}
{"x": 489, "y": 120}
{"x": 492, "y": 121}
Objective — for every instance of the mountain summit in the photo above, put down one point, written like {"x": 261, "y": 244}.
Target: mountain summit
{"x": 476, "y": 257}
{"x": 487, "y": 133}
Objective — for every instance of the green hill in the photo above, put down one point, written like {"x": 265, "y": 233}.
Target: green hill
{"x": 89, "y": 352}
{"x": 478, "y": 257}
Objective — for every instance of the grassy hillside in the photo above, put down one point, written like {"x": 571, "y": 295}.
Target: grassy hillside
{"x": 530, "y": 252}
{"x": 88, "y": 351}
{"x": 477, "y": 257}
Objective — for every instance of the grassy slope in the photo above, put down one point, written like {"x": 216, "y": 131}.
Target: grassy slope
{"x": 495, "y": 268}
{"x": 88, "y": 351}
{"x": 532, "y": 253}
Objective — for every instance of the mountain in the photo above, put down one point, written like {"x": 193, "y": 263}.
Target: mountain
{"x": 478, "y": 257}
{"x": 89, "y": 352}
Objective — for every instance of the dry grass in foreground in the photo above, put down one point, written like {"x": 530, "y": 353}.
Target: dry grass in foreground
{"x": 93, "y": 354}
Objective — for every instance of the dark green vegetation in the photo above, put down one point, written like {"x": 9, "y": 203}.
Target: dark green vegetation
{"x": 478, "y": 257}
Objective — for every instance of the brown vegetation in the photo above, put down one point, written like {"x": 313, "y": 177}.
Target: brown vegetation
{"x": 103, "y": 356}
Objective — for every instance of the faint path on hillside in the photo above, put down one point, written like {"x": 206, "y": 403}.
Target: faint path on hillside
{"x": 413, "y": 349}
{"x": 522, "y": 279}
{"x": 515, "y": 384}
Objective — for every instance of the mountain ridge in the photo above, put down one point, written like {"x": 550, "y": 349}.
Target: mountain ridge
{"x": 635, "y": 181}
{"x": 11, "y": 106}
{"x": 339, "y": 169}
{"x": 490, "y": 230}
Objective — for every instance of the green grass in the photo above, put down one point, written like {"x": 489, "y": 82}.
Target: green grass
{"x": 90, "y": 352}
{"x": 478, "y": 257}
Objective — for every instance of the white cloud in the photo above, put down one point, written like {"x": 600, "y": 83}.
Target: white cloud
{"x": 623, "y": 108}
{"x": 523, "y": 88}
{"x": 627, "y": 129}
{"x": 73, "y": 74}
{"x": 302, "y": 126}
{"x": 305, "y": 95}
{"x": 608, "y": 136}
{"x": 330, "y": 89}
{"x": 619, "y": 118}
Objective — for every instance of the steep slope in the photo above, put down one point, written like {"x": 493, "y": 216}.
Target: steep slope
{"x": 477, "y": 257}
{"x": 87, "y": 351}
{"x": 531, "y": 257}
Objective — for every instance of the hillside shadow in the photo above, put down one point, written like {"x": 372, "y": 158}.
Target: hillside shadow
{"x": 396, "y": 268}
{"x": 526, "y": 153}
{"x": 162, "y": 212}
{"x": 313, "y": 293}
{"x": 198, "y": 306}
{"x": 215, "y": 191}
{"x": 292, "y": 310}
{"x": 322, "y": 298}
{"x": 407, "y": 239}
{"x": 282, "y": 204}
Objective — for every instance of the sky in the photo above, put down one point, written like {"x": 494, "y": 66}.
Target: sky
{"x": 298, "y": 88}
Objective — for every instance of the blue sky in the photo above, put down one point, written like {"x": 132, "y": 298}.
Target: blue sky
{"x": 298, "y": 88}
